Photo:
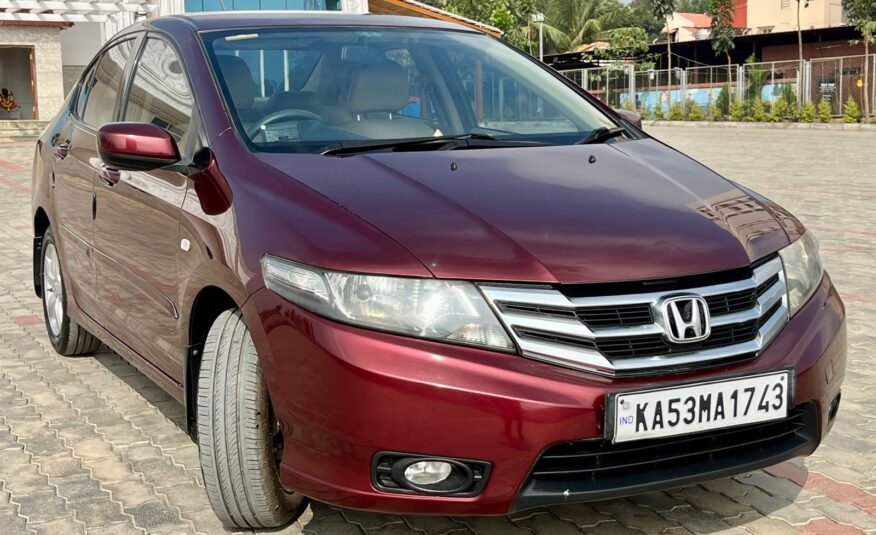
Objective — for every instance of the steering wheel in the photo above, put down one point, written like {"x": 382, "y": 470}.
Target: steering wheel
{"x": 283, "y": 114}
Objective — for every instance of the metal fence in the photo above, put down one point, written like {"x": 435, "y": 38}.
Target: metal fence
{"x": 711, "y": 88}
{"x": 834, "y": 80}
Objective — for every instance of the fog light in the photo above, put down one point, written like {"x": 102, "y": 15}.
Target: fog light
{"x": 410, "y": 473}
{"x": 428, "y": 472}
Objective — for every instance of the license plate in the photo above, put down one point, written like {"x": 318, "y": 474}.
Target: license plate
{"x": 695, "y": 408}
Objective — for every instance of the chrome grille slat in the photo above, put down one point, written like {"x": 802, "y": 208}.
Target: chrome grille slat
{"x": 549, "y": 326}
{"x": 764, "y": 303}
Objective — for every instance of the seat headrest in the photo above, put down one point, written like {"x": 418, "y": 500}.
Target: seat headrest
{"x": 382, "y": 87}
{"x": 239, "y": 80}
{"x": 300, "y": 100}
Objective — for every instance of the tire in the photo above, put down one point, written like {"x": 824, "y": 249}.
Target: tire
{"x": 238, "y": 436}
{"x": 67, "y": 337}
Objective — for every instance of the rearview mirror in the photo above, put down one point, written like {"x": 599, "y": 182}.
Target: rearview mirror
{"x": 136, "y": 146}
{"x": 631, "y": 116}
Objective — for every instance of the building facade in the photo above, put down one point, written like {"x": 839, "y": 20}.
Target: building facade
{"x": 772, "y": 16}
{"x": 30, "y": 70}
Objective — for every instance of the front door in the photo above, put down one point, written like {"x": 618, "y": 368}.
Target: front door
{"x": 75, "y": 170}
{"x": 137, "y": 225}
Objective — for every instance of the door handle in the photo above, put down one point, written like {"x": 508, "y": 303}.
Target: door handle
{"x": 61, "y": 150}
{"x": 109, "y": 176}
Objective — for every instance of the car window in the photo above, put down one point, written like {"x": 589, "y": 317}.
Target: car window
{"x": 84, "y": 89}
{"x": 159, "y": 91}
{"x": 103, "y": 88}
{"x": 502, "y": 101}
{"x": 389, "y": 84}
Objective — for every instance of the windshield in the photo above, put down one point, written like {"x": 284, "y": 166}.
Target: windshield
{"x": 303, "y": 90}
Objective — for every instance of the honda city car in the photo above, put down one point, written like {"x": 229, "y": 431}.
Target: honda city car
{"x": 395, "y": 264}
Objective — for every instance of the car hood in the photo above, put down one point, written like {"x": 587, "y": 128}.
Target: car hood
{"x": 633, "y": 210}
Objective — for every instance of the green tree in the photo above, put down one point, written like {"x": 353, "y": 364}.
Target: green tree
{"x": 692, "y": 6}
{"x": 637, "y": 15}
{"x": 723, "y": 32}
{"x": 626, "y": 42}
{"x": 663, "y": 9}
{"x": 511, "y": 16}
{"x": 862, "y": 14}
{"x": 756, "y": 77}
{"x": 572, "y": 23}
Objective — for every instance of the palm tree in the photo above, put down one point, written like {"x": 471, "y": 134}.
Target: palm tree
{"x": 572, "y": 23}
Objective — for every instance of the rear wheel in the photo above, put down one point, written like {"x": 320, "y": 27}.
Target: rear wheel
{"x": 239, "y": 438}
{"x": 67, "y": 336}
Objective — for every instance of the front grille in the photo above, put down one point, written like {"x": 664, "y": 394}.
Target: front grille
{"x": 738, "y": 301}
{"x": 598, "y": 469}
{"x": 624, "y": 334}
{"x": 643, "y": 346}
{"x": 618, "y": 316}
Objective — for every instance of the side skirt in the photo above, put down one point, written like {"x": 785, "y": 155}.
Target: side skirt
{"x": 148, "y": 369}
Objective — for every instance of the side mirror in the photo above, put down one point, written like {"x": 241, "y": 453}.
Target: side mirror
{"x": 631, "y": 116}
{"x": 136, "y": 146}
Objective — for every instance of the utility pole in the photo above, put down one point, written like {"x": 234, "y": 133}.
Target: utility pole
{"x": 800, "y": 4}
{"x": 539, "y": 19}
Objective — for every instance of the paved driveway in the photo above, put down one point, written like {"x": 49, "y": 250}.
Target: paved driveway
{"x": 90, "y": 445}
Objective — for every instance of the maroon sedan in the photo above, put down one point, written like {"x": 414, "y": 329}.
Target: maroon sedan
{"x": 394, "y": 264}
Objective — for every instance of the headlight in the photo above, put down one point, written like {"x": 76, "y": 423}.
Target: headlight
{"x": 803, "y": 271}
{"x": 449, "y": 311}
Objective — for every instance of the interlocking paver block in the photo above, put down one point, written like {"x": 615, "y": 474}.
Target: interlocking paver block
{"x": 156, "y": 517}
{"x": 41, "y": 506}
{"x": 84, "y": 440}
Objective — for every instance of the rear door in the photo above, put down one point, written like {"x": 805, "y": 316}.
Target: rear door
{"x": 76, "y": 168}
{"x": 137, "y": 225}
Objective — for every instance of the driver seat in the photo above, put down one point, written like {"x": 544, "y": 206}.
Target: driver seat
{"x": 376, "y": 94}
{"x": 241, "y": 86}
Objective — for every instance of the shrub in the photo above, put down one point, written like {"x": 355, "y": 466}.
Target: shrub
{"x": 758, "y": 112}
{"x": 694, "y": 112}
{"x": 715, "y": 112}
{"x": 628, "y": 106}
{"x": 784, "y": 111}
{"x": 723, "y": 100}
{"x": 658, "y": 112}
{"x": 644, "y": 111}
{"x": 808, "y": 114}
{"x": 851, "y": 111}
{"x": 737, "y": 111}
{"x": 676, "y": 113}
{"x": 825, "y": 112}
{"x": 789, "y": 95}
{"x": 777, "y": 114}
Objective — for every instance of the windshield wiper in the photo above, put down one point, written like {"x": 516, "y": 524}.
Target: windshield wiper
{"x": 439, "y": 142}
{"x": 601, "y": 135}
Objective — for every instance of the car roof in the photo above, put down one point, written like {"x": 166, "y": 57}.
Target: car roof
{"x": 231, "y": 20}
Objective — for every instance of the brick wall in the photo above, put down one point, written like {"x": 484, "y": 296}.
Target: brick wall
{"x": 47, "y": 59}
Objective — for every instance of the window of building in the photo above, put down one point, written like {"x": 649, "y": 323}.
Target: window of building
{"x": 101, "y": 90}
{"x": 159, "y": 92}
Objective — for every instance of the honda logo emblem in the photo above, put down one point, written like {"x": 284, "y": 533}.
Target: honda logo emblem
{"x": 686, "y": 319}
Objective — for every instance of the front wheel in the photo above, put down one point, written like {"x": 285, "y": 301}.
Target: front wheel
{"x": 67, "y": 336}
{"x": 238, "y": 436}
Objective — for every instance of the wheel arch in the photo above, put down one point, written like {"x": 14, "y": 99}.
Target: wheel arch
{"x": 208, "y": 304}
{"x": 41, "y": 224}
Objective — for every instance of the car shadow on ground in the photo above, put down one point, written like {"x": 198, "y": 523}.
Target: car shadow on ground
{"x": 713, "y": 507}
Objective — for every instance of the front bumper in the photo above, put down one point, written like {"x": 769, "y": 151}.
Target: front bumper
{"x": 342, "y": 394}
